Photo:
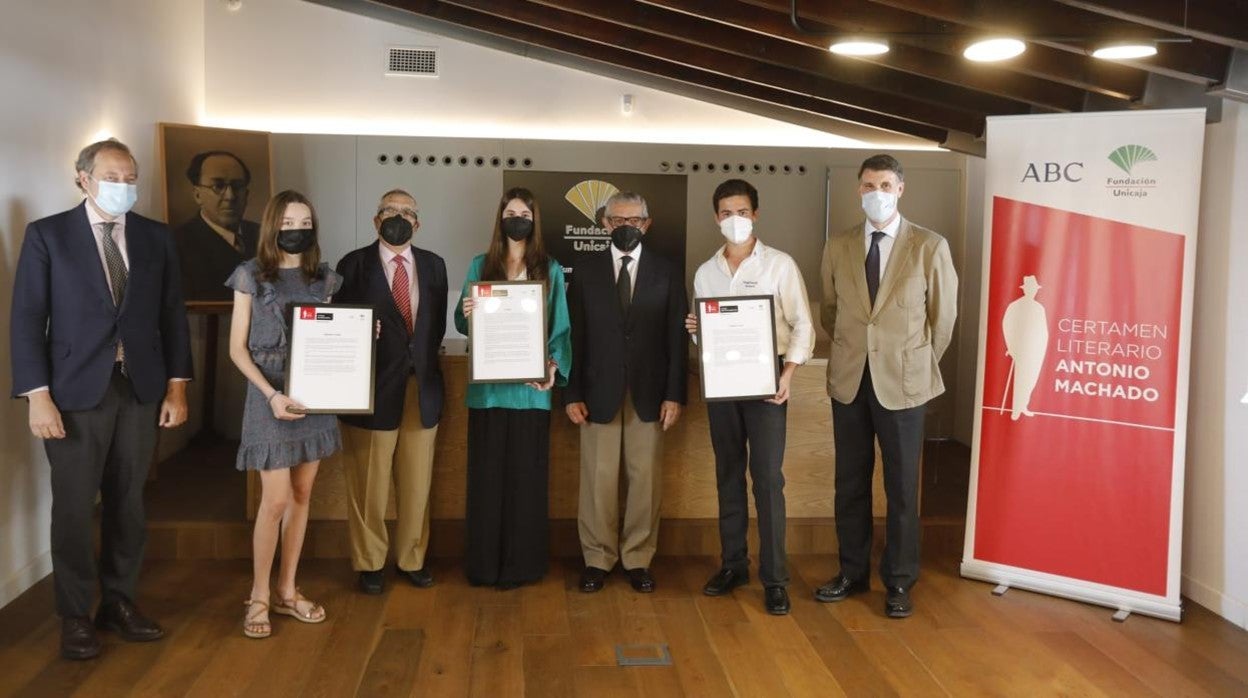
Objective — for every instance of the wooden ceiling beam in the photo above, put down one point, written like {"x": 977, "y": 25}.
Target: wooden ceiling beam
{"x": 494, "y": 25}
{"x": 1199, "y": 61}
{"x": 689, "y": 29}
{"x": 716, "y": 61}
{"x": 1218, "y": 21}
{"x": 1103, "y": 78}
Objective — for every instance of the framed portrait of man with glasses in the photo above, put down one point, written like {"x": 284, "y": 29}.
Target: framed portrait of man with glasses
{"x": 217, "y": 182}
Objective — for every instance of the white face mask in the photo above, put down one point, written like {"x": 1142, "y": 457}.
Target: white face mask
{"x": 116, "y": 198}
{"x": 736, "y": 229}
{"x": 879, "y": 205}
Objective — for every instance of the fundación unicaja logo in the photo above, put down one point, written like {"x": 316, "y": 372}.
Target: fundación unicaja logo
{"x": 589, "y": 197}
{"x": 1127, "y": 157}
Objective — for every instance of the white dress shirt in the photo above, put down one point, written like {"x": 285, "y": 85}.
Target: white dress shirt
{"x": 886, "y": 242}
{"x": 409, "y": 262}
{"x": 767, "y": 271}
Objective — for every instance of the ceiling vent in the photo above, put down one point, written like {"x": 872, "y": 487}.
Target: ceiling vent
{"x": 421, "y": 62}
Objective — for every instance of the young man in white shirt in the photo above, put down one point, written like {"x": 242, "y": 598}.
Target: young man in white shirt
{"x": 751, "y": 433}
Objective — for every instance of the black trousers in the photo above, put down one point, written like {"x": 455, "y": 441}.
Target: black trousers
{"x": 750, "y": 433}
{"x": 106, "y": 450}
{"x": 900, "y": 432}
{"x": 506, "y": 518}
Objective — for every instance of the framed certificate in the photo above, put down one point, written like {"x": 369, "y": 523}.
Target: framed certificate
{"x": 737, "y": 347}
{"x": 333, "y": 354}
{"x": 507, "y": 332}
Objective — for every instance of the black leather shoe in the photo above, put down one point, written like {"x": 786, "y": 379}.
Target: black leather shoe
{"x": 124, "y": 619}
{"x": 776, "y": 599}
{"x": 641, "y": 579}
{"x": 897, "y": 603}
{"x": 841, "y": 588}
{"x": 725, "y": 581}
{"x": 78, "y": 639}
{"x": 592, "y": 579}
{"x": 372, "y": 582}
{"x": 422, "y": 577}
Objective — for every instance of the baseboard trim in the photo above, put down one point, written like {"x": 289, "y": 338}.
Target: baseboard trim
{"x": 1231, "y": 609}
{"x": 25, "y": 578}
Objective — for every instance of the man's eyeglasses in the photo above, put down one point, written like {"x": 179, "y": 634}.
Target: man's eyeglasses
{"x": 218, "y": 186}
{"x": 634, "y": 221}
{"x": 389, "y": 211}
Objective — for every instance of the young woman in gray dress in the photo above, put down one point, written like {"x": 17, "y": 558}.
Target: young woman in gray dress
{"x": 283, "y": 445}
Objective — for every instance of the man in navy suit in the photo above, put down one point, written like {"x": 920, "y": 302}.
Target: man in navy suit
{"x": 101, "y": 351}
{"x": 407, "y": 286}
{"x": 630, "y": 356}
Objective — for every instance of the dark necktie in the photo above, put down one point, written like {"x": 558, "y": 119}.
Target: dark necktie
{"x": 873, "y": 266}
{"x": 116, "y": 265}
{"x": 624, "y": 284}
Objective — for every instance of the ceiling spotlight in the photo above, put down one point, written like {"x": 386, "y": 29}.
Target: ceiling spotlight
{"x": 858, "y": 46}
{"x": 998, "y": 49}
{"x": 1125, "y": 50}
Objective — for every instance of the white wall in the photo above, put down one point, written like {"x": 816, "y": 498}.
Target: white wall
{"x": 73, "y": 70}
{"x": 1215, "y": 541}
{"x": 323, "y": 72}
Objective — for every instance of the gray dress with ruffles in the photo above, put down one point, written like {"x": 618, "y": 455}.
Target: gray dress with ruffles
{"x": 269, "y": 443}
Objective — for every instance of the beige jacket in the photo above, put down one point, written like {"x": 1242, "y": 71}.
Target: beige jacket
{"x": 910, "y": 326}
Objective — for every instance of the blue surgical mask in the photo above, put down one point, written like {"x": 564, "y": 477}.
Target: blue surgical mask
{"x": 116, "y": 198}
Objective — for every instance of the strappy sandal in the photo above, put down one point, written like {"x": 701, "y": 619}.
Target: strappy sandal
{"x": 290, "y": 607}
{"x": 253, "y": 628}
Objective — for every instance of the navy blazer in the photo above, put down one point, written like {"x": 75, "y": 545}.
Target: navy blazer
{"x": 398, "y": 353}
{"x": 65, "y": 327}
{"x": 645, "y": 351}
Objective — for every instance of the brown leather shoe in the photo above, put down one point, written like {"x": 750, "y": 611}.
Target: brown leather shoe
{"x": 124, "y": 619}
{"x": 78, "y": 639}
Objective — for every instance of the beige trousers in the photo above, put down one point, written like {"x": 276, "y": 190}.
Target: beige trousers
{"x": 639, "y": 445}
{"x": 372, "y": 460}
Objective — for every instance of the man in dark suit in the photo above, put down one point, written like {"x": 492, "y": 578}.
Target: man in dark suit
{"x": 890, "y": 296}
{"x": 101, "y": 351}
{"x": 629, "y": 361}
{"x": 407, "y": 286}
{"x": 217, "y": 239}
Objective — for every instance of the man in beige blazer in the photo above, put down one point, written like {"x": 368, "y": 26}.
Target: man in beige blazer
{"x": 889, "y": 303}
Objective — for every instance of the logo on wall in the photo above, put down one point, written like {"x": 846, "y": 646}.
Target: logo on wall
{"x": 589, "y": 197}
{"x": 1126, "y": 158}
{"x": 571, "y": 205}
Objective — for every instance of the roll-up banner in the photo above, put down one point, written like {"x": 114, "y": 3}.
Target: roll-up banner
{"x": 1077, "y": 460}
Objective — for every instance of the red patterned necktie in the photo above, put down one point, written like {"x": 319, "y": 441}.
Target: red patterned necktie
{"x": 401, "y": 289}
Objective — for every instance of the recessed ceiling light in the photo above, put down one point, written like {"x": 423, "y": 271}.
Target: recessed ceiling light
{"x": 858, "y": 46}
{"x": 1125, "y": 50}
{"x": 997, "y": 49}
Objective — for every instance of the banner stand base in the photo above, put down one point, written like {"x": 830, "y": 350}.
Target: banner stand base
{"x": 1000, "y": 589}
{"x": 1123, "y": 602}
{"x": 1121, "y": 616}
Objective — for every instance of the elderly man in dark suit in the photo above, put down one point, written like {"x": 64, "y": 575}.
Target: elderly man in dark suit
{"x": 629, "y": 362}
{"x": 101, "y": 350}
{"x": 217, "y": 239}
{"x": 407, "y": 286}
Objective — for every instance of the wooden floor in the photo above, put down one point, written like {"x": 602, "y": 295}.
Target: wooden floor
{"x": 549, "y": 640}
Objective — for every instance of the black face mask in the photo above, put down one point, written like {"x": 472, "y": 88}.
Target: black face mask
{"x": 396, "y": 230}
{"x": 517, "y": 228}
{"x": 297, "y": 240}
{"x": 626, "y": 238}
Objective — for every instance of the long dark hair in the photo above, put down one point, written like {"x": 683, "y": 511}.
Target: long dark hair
{"x": 536, "y": 261}
{"x": 269, "y": 255}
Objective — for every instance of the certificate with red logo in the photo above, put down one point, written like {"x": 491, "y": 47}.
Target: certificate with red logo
{"x": 332, "y": 358}
{"x": 507, "y": 332}
{"x": 737, "y": 347}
